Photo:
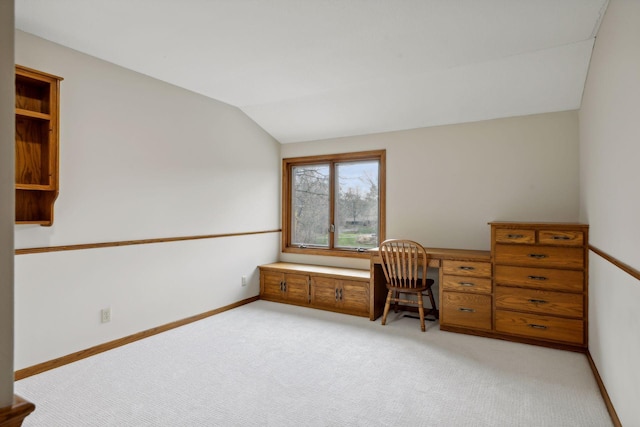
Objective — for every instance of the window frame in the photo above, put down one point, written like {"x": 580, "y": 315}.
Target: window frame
{"x": 332, "y": 159}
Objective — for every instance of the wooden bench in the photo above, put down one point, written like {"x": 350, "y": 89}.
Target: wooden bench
{"x": 343, "y": 290}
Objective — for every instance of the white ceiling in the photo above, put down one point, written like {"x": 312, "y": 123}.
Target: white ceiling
{"x": 316, "y": 69}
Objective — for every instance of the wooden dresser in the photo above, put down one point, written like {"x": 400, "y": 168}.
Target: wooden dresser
{"x": 540, "y": 282}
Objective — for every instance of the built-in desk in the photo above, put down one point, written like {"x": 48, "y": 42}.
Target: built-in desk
{"x": 437, "y": 258}
{"x": 531, "y": 287}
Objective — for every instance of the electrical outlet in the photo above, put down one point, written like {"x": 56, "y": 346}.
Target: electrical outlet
{"x": 106, "y": 315}
{"x": 244, "y": 280}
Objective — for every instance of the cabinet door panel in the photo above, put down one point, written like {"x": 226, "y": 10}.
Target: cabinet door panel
{"x": 355, "y": 297}
{"x": 297, "y": 288}
{"x": 271, "y": 286}
{"x": 323, "y": 292}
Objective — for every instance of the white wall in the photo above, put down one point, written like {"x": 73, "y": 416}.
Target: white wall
{"x": 610, "y": 175}
{"x": 444, "y": 184}
{"x": 140, "y": 159}
{"x": 7, "y": 213}
{"x": 59, "y": 295}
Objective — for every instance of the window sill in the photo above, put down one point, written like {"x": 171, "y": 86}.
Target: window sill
{"x": 346, "y": 253}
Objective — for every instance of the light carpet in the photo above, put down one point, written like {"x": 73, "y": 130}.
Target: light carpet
{"x": 269, "y": 364}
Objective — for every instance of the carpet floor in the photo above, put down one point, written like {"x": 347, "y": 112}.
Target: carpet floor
{"x": 269, "y": 364}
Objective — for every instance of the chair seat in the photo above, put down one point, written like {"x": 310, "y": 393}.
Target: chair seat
{"x": 430, "y": 283}
{"x": 408, "y": 290}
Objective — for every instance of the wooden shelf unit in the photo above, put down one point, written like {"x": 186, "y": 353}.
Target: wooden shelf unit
{"x": 36, "y": 145}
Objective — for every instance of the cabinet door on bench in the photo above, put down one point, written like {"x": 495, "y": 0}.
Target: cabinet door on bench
{"x": 297, "y": 288}
{"x": 348, "y": 296}
{"x": 355, "y": 297}
{"x": 285, "y": 287}
{"x": 272, "y": 288}
{"x": 324, "y": 292}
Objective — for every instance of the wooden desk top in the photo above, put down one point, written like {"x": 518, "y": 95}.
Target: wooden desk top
{"x": 436, "y": 255}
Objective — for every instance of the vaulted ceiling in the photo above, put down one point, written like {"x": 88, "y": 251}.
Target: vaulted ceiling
{"x": 316, "y": 69}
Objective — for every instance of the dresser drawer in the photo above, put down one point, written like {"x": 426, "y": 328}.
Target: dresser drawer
{"x": 542, "y": 278}
{"x": 539, "y": 256}
{"x": 465, "y": 284}
{"x": 560, "y": 238}
{"x": 544, "y": 302}
{"x": 505, "y": 235}
{"x": 540, "y": 327}
{"x": 466, "y": 309}
{"x": 467, "y": 268}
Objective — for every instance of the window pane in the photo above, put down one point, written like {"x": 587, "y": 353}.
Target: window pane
{"x": 357, "y": 204}
{"x": 310, "y": 205}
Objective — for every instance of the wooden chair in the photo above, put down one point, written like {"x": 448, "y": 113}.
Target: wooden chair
{"x": 404, "y": 263}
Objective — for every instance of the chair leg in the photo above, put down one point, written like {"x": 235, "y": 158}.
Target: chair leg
{"x": 421, "y": 311}
{"x": 386, "y": 307}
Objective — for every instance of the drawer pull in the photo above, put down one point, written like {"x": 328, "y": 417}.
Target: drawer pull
{"x": 515, "y": 236}
{"x": 466, "y": 284}
{"x": 537, "y": 256}
{"x": 534, "y": 326}
{"x": 561, "y": 238}
{"x": 464, "y": 267}
{"x": 537, "y": 278}
{"x": 466, "y": 310}
{"x": 537, "y": 301}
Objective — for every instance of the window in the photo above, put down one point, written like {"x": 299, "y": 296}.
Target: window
{"x": 333, "y": 205}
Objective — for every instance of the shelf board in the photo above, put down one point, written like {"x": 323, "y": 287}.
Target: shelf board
{"x": 35, "y": 187}
{"x": 39, "y": 222}
{"x": 32, "y": 114}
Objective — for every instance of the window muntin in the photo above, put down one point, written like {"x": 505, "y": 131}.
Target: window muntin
{"x": 333, "y": 205}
